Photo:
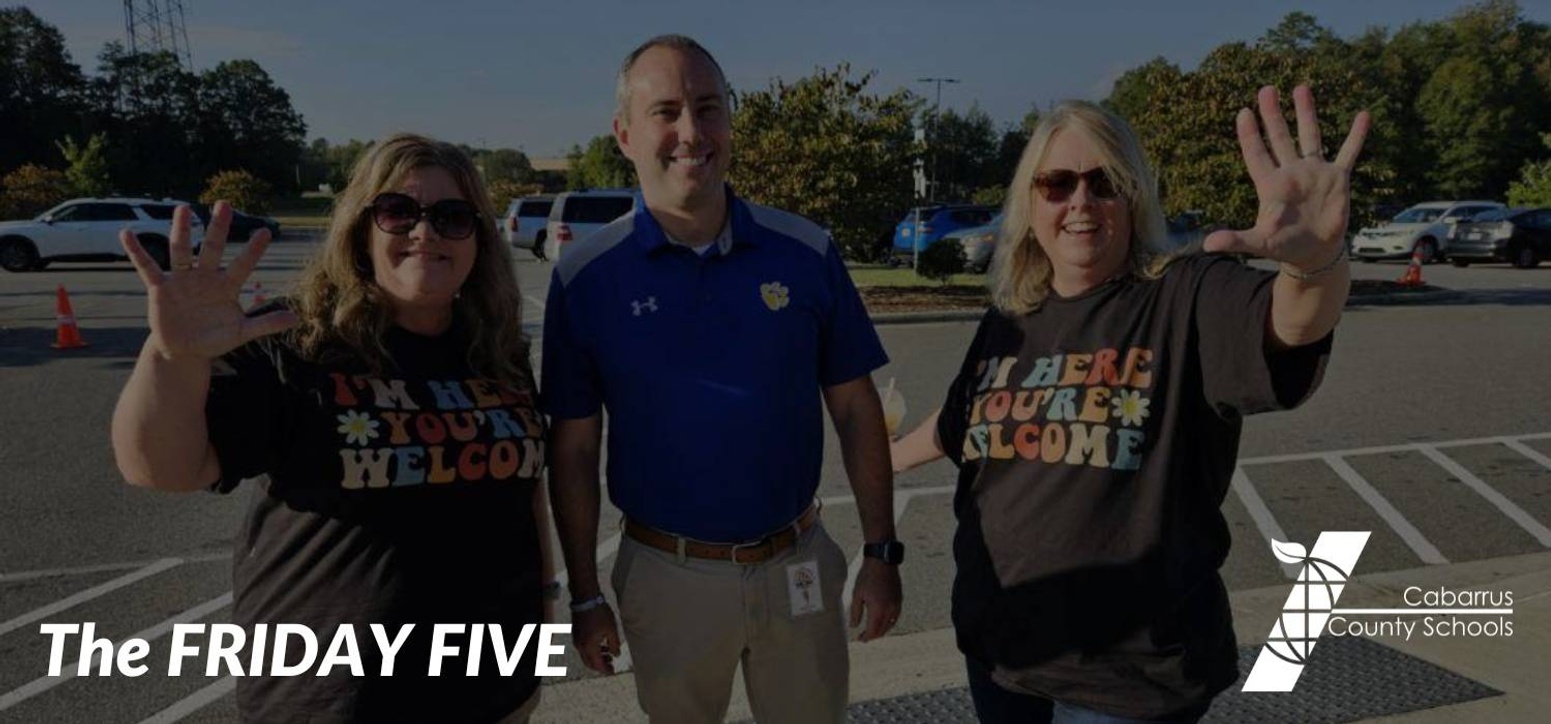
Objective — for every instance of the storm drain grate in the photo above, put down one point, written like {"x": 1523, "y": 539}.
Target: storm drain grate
{"x": 1347, "y": 679}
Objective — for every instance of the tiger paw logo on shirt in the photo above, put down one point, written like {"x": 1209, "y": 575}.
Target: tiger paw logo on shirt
{"x": 775, "y": 295}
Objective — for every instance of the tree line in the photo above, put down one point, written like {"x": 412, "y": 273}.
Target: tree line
{"x": 1461, "y": 106}
{"x": 142, "y": 124}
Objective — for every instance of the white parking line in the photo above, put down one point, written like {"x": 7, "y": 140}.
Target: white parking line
{"x": 193, "y": 702}
{"x": 529, "y": 298}
{"x": 100, "y": 589}
{"x": 1406, "y": 447}
{"x": 1408, "y": 533}
{"x": 1508, "y": 507}
{"x": 1528, "y": 452}
{"x": 902, "y": 498}
{"x": 1261, "y": 514}
{"x": 101, "y": 568}
{"x": 68, "y": 671}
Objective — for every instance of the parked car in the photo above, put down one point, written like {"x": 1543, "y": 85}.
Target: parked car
{"x": 1423, "y": 228}
{"x": 930, "y": 223}
{"x": 1187, "y": 229}
{"x": 979, "y": 243}
{"x": 524, "y": 224}
{"x": 242, "y": 226}
{"x": 1521, "y": 237}
{"x": 87, "y": 230}
{"x": 577, "y": 214}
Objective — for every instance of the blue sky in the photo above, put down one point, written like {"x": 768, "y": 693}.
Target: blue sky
{"x": 539, "y": 75}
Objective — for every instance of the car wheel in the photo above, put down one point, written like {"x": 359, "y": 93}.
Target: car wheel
{"x": 156, "y": 246}
{"x": 1461, "y": 263}
{"x": 18, "y": 255}
{"x": 1524, "y": 257}
{"x": 1428, "y": 249}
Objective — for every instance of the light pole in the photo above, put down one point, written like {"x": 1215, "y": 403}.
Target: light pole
{"x": 936, "y": 108}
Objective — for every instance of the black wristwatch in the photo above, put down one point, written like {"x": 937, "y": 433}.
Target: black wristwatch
{"x": 891, "y": 552}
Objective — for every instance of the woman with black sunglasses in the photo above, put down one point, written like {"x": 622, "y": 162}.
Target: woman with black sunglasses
{"x": 1095, "y": 420}
{"x": 388, "y": 412}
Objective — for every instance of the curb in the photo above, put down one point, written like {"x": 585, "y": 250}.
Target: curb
{"x": 1366, "y": 300}
{"x": 935, "y": 315}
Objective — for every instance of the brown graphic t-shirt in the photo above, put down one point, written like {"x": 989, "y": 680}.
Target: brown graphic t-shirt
{"x": 1095, "y": 439}
{"x": 390, "y": 499}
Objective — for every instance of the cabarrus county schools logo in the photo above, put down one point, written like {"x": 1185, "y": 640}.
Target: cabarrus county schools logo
{"x": 775, "y": 295}
{"x": 1321, "y": 579}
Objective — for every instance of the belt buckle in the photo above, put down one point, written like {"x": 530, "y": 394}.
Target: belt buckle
{"x": 751, "y": 544}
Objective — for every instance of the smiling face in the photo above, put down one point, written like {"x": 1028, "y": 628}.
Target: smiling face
{"x": 420, "y": 271}
{"x": 1087, "y": 237}
{"x": 677, "y": 129}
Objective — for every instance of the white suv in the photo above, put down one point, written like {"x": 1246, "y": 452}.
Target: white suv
{"x": 577, "y": 214}
{"x": 1423, "y": 228}
{"x": 524, "y": 223}
{"x": 87, "y": 230}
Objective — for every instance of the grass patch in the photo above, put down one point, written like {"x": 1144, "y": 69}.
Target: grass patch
{"x": 874, "y": 275}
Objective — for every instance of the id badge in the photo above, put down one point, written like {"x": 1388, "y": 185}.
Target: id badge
{"x": 802, "y": 586}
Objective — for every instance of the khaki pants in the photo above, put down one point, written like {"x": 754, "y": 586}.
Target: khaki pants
{"x": 690, "y": 623}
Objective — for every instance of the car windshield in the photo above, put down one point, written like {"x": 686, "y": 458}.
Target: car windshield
{"x": 1418, "y": 216}
{"x": 1495, "y": 215}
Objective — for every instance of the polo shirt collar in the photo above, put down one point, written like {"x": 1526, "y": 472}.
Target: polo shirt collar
{"x": 651, "y": 237}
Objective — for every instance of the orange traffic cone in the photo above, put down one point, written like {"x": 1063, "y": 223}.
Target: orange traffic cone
{"x": 1413, "y": 275}
{"x": 69, "y": 336}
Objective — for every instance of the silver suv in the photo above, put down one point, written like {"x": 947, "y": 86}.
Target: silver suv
{"x": 1424, "y": 228}
{"x": 87, "y": 230}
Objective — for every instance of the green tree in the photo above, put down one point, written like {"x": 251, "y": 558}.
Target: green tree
{"x": 964, "y": 149}
{"x": 147, "y": 105}
{"x": 1484, "y": 107}
{"x": 1139, "y": 88}
{"x": 1533, "y": 187}
{"x": 239, "y": 188}
{"x": 88, "y": 170}
{"x": 600, "y": 165}
{"x": 245, "y": 120}
{"x": 505, "y": 164}
{"x": 30, "y": 190}
{"x": 40, "y": 89}
{"x": 826, "y": 148}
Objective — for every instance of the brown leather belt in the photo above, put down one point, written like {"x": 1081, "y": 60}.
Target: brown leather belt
{"x": 747, "y": 553}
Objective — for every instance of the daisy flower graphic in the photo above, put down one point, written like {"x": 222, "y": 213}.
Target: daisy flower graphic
{"x": 1130, "y": 407}
{"x": 357, "y": 427}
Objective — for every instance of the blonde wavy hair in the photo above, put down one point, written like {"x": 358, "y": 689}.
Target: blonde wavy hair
{"x": 1020, "y": 271}
{"x": 345, "y": 314}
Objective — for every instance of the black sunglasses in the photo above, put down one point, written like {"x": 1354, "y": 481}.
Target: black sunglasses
{"x": 397, "y": 214}
{"x": 1059, "y": 185}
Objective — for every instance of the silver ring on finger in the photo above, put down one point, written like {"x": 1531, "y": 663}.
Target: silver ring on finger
{"x": 182, "y": 266}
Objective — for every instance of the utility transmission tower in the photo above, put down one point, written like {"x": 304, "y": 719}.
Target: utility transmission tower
{"x": 157, "y": 25}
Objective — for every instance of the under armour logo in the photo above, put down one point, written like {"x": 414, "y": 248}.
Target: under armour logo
{"x": 650, "y": 305}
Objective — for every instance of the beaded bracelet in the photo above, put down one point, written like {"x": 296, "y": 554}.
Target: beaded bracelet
{"x": 1304, "y": 276}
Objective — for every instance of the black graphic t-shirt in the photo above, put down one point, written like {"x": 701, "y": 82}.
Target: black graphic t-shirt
{"x": 388, "y": 499}
{"x": 1096, "y": 439}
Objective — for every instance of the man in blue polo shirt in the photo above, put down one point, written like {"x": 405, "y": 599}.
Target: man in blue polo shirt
{"x": 710, "y": 328}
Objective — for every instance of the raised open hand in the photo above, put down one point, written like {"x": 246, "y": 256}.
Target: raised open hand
{"x": 1304, "y": 199}
{"x": 193, "y": 307}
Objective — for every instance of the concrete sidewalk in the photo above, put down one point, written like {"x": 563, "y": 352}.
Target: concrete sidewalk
{"x": 1519, "y": 666}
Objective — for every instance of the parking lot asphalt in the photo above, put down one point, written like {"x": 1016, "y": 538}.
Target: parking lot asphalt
{"x": 1430, "y": 430}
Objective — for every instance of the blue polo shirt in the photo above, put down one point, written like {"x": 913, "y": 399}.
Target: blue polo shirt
{"x": 709, "y": 366}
